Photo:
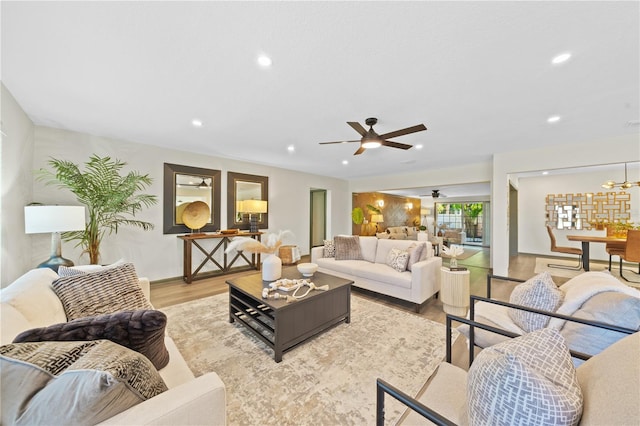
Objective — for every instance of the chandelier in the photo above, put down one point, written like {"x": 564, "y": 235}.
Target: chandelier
{"x": 622, "y": 185}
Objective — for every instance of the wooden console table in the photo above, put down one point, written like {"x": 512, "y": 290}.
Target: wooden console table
{"x": 191, "y": 240}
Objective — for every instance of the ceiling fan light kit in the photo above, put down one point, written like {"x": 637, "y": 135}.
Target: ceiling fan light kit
{"x": 371, "y": 140}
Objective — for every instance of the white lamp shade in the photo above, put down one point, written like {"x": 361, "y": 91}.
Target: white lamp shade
{"x": 254, "y": 206}
{"x": 377, "y": 218}
{"x": 44, "y": 219}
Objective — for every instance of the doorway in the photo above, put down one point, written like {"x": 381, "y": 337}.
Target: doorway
{"x": 318, "y": 220}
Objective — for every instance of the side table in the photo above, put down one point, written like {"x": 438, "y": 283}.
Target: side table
{"x": 454, "y": 291}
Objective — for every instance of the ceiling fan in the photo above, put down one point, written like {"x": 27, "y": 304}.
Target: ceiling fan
{"x": 370, "y": 139}
{"x": 435, "y": 193}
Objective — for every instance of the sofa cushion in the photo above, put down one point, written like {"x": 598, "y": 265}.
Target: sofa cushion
{"x": 527, "y": 380}
{"x": 384, "y": 246}
{"x": 610, "y": 384}
{"x": 347, "y": 247}
{"x": 398, "y": 259}
{"x": 415, "y": 253}
{"x": 32, "y": 295}
{"x": 103, "y": 292}
{"x": 385, "y": 274}
{"x": 329, "y": 249}
{"x": 608, "y": 307}
{"x": 368, "y": 247}
{"x": 143, "y": 331}
{"x": 73, "y": 382}
{"x": 539, "y": 292}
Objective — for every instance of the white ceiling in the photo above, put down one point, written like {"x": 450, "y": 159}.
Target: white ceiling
{"x": 477, "y": 74}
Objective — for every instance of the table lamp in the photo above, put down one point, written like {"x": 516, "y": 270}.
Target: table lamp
{"x": 55, "y": 219}
{"x": 377, "y": 218}
{"x": 254, "y": 207}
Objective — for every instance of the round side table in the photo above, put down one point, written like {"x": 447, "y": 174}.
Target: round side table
{"x": 454, "y": 291}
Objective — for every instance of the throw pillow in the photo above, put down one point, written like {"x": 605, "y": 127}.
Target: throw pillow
{"x": 329, "y": 249}
{"x": 142, "y": 331}
{"x": 103, "y": 292}
{"x": 415, "y": 253}
{"x": 348, "y": 248}
{"x": 539, "y": 292}
{"x": 73, "y": 382}
{"x": 527, "y": 380}
{"x": 398, "y": 259}
{"x": 66, "y": 271}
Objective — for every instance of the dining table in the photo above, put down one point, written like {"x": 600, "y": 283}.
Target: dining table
{"x": 587, "y": 239}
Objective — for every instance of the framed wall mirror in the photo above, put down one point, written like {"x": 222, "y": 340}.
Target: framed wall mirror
{"x": 243, "y": 187}
{"x": 184, "y": 185}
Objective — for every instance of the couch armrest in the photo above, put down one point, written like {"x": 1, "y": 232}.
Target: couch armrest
{"x": 425, "y": 278}
{"x": 145, "y": 285}
{"x": 317, "y": 253}
{"x": 201, "y": 401}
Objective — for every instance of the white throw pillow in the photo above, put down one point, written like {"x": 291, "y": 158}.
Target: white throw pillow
{"x": 329, "y": 249}
{"x": 539, "y": 292}
{"x": 398, "y": 259}
{"x": 529, "y": 380}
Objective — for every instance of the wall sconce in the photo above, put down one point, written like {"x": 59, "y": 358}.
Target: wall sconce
{"x": 380, "y": 203}
{"x": 408, "y": 206}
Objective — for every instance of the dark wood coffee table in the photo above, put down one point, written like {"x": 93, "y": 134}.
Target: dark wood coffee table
{"x": 283, "y": 325}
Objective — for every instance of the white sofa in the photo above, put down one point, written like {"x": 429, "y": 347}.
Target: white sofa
{"x": 372, "y": 273}
{"x": 30, "y": 302}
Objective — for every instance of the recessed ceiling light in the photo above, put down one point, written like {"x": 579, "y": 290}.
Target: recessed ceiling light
{"x": 264, "y": 61}
{"x": 196, "y": 123}
{"x": 553, "y": 119}
{"x": 345, "y": 162}
{"x": 561, "y": 58}
{"x": 419, "y": 146}
{"x": 291, "y": 148}
{"x": 545, "y": 172}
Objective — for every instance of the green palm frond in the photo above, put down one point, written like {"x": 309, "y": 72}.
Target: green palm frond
{"x": 112, "y": 200}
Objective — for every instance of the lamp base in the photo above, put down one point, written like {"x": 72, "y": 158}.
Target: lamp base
{"x": 253, "y": 224}
{"x": 55, "y": 262}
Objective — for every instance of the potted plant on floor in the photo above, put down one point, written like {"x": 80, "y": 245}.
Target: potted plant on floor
{"x": 112, "y": 200}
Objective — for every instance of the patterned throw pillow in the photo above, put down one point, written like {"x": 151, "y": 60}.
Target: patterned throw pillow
{"x": 329, "y": 249}
{"x": 529, "y": 380}
{"x": 398, "y": 259}
{"x": 348, "y": 248}
{"x": 73, "y": 382}
{"x": 415, "y": 253}
{"x": 143, "y": 331}
{"x": 104, "y": 292}
{"x": 539, "y": 292}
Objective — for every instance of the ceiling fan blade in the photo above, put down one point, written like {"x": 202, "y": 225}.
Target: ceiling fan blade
{"x": 393, "y": 144}
{"x": 357, "y": 127}
{"x": 359, "y": 151}
{"x": 327, "y": 143}
{"x": 402, "y": 132}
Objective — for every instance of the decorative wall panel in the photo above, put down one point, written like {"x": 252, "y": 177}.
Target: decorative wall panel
{"x": 587, "y": 211}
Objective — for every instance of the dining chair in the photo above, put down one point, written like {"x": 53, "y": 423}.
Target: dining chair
{"x": 631, "y": 250}
{"x": 614, "y": 248}
{"x": 565, "y": 250}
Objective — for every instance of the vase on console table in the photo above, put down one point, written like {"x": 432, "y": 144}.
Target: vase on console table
{"x": 453, "y": 262}
{"x": 271, "y": 268}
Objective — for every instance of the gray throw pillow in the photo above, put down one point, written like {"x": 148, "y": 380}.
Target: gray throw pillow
{"x": 539, "y": 292}
{"x": 142, "y": 330}
{"x": 529, "y": 380}
{"x": 103, "y": 292}
{"x": 348, "y": 248}
{"x": 415, "y": 254}
{"x": 73, "y": 382}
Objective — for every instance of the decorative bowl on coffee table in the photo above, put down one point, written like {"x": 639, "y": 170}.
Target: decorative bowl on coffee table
{"x": 307, "y": 269}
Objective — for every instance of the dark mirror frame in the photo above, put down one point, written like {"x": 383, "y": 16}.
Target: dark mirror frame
{"x": 169, "y": 201}
{"x": 232, "y": 178}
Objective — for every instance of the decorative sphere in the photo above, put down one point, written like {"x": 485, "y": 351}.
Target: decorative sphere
{"x": 307, "y": 269}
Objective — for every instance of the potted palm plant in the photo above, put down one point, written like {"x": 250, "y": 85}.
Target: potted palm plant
{"x": 112, "y": 200}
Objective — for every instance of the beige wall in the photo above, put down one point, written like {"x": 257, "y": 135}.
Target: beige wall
{"x": 16, "y": 154}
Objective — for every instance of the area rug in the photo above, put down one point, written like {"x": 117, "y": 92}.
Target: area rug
{"x": 542, "y": 262}
{"x": 328, "y": 380}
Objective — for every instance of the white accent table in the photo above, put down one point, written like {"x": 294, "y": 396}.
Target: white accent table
{"x": 454, "y": 291}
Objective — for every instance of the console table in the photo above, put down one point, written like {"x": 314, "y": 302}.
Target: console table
{"x": 220, "y": 245}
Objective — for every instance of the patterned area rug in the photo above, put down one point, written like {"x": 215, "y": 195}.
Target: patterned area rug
{"x": 327, "y": 380}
